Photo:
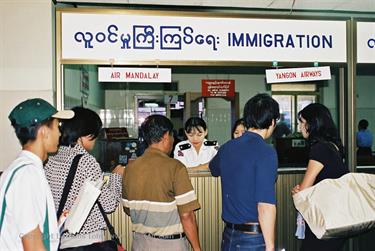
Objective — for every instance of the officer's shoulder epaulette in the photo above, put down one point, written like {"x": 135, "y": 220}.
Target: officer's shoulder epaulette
{"x": 210, "y": 143}
{"x": 184, "y": 146}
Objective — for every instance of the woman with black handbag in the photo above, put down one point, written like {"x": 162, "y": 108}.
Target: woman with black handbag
{"x": 70, "y": 167}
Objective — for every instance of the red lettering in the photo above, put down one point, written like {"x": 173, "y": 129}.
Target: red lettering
{"x": 128, "y": 75}
{"x": 286, "y": 75}
{"x": 306, "y": 74}
{"x": 115, "y": 74}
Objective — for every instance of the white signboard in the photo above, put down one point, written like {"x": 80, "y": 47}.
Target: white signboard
{"x": 120, "y": 74}
{"x": 130, "y": 37}
{"x": 365, "y": 42}
{"x": 298, "y": 74}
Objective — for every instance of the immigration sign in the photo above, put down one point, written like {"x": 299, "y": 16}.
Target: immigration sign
{"x": 131, "y": 37}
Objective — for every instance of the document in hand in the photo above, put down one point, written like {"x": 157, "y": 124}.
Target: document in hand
{"x": 81, "y": 208}
{"x": 339, "y": 207}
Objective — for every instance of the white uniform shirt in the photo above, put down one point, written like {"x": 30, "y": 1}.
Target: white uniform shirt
{"x": 27, "y": 199}
{"x": 190, "y": 158}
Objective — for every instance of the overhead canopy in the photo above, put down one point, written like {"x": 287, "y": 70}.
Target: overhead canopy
{"x": 324, "y": 5}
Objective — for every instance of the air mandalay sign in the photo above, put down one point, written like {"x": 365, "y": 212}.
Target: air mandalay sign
{"x": 298, "y": 74}
{"x": 121, "y": 74}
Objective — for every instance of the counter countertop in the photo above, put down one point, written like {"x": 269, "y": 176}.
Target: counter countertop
{"x": 284, "y": 170}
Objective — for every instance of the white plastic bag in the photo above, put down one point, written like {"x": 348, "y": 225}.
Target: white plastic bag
{"x": 339, "y": 207}
{"x": 81, "y": 208}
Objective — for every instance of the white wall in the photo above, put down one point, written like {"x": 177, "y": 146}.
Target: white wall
{"x": 26, "y": 62}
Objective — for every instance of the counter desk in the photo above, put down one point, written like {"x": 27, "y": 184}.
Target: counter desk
{"x": 208, "y": 190}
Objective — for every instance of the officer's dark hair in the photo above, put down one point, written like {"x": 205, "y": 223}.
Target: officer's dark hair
{"x": 26, "y": 134}
{"x": 84, "y": 123}
{"x": 363, "y": 124}
{"x": 320, "y": 125}
{"x": 195, "y": 122}
{"x": 260, "y": 110}
{"x": 154, "y": 127}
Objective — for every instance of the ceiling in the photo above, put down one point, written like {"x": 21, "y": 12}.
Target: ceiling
{"x": 367, "y": 6}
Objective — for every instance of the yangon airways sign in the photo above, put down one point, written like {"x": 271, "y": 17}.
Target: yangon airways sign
{"x": 298, "y": 74}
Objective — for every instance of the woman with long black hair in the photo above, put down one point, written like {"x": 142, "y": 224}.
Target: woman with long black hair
{"x": 325, "y": 162}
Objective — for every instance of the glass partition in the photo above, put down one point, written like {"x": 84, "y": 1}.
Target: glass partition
{"x": 291, "y": 147}
{"x": 365, "y": 115}
{"x": 126, "y": 105}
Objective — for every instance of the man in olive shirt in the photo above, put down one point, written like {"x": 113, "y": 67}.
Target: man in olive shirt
{"x": 158, "y": 195}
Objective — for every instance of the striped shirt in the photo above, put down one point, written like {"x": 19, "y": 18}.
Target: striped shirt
{"x": 156, "y": 190}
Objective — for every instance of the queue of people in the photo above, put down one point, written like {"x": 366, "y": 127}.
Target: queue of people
{"x": 155, "y": 189}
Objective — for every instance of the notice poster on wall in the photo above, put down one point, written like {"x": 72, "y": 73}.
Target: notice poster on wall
{"x": 217, "y": 88}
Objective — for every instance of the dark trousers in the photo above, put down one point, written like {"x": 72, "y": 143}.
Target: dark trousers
{"x": 311, "y": 243}
{"x": 364, "y": 151}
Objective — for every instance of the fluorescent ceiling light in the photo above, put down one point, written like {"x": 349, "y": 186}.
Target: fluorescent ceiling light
{"x": 151, "y": 105}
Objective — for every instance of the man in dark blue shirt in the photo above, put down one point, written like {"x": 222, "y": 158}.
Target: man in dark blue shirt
{"x": 248, "y": 169}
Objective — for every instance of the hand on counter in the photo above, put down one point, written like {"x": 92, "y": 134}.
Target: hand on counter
{"x": 119, "y": 169}
{"x": 296, "y": 189}
{"x": 202, "y": 167}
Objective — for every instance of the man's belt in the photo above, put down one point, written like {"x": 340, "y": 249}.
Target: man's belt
{"x": 167, "y": 237}
{"x": 252, "y": 227}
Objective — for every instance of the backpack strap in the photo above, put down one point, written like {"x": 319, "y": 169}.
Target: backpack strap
{"x": 46, "y": 235}
{"x": 68, "y": 184}
{"x": 4, "y": 204}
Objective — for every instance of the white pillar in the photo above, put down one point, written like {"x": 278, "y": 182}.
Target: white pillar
{"x": 26, "y": 62}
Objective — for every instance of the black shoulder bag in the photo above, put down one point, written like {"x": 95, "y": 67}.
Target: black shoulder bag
{"x": 111, "y": 245}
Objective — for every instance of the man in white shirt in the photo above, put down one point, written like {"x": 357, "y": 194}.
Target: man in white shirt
{"x": 27, "y": 212}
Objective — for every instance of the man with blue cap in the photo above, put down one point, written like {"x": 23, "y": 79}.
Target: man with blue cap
{"x": 27, "y": 212}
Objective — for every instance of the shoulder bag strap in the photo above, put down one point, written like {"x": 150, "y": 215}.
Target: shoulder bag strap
{"x": 109, "y": 225}
{"x": 68, "y": 184}
{"x": 4, "y": 203}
